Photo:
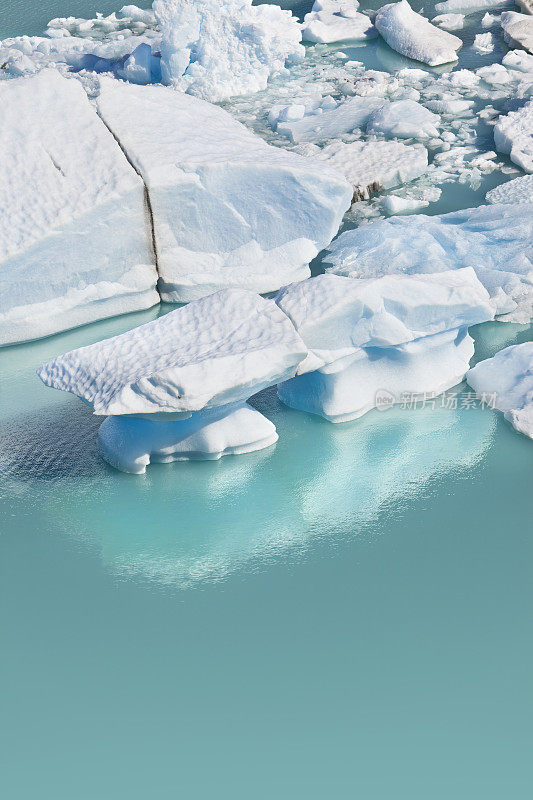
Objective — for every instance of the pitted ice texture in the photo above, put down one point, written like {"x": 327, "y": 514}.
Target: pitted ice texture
{"x": 214, "y": 351}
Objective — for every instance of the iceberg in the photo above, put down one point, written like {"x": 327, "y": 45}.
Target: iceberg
{"x": 372, "y": 341}
{"x": 404, "y": 119}
{"x": 412, "y": 35}
{"x": 375, "y": 165}
{"x": 75, "y": 236}
{"x": 228, "y": 209}
{"x": 336, "y": 21}
{"x": 513, "y": 136}
{"x": 496, "y": 240}
{"x": 505, "y": 382}
{"x": 176, "y": 387}
{"x": 518, "y": 29}
{"x": 216, "y": 49}
{"x": 470, "y": 6}
{"x": 519, "y": 190}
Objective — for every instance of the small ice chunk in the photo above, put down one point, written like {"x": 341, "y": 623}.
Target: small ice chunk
{"x": 75, "y": 236}
{"x": 505, "y": 382}
{"x": 518, "y": 29}
{"x": 518, "y": 190}
{"x": 393, "y": 204}
{"x": 518, "y": 60}
{"x": 513, "y": 135}
{"x": 212, "y": 352}
{"x": 496, "y": 240}
{"x": 405, "y": 119}
{"x": 449, "y": 22}
{"x": 490, "y": 20}
{"x": 414, "y": 36}
{"x": 228, "y": 209}
{"x": 483, "y": 43}
{"x": 138, "y": 66}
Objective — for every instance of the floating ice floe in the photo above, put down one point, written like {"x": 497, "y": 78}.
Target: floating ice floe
{"x": 496, "y": 240}
{"x": 506, "y": 383}
{"x": 336, "y": 21}
{"x": 371, "y": 341}
{"x": 319, "y": 125}
{"x": 216, "y": 49}
{"x": 519, "y": 190}
{"x": 373, "y": 166}
{"x": 450, "y": 22}
{"x": 404, "y": 119}
{"x": 513, "y": 135}
{"x": 176, "y": 387}
{"x": 227, "y": 208}
{"x": 470, "y": 6}
{"x": 414, "y": 36}
{"x": 518, "y": 29}
{"x": 75, "y": 236}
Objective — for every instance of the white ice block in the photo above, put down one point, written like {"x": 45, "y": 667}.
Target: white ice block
{"x": 414, "y": 36}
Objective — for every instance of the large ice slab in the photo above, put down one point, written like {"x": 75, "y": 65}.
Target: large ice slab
{"x": 506, "y": 382}
{"x": 336, "y": 315}
{"x": 496, "y": 240}
{"x": 338, "y": 21}
{"x": 215, "y": 351}
{"x": 376, "y": 165}
{"x": 414, "y": 36}
{"x": 228, "y": 209}
{"x": 470, "y": 6}
{"x": 513, "y": 136}
{"x": 519, "y": 190}
{"x": 216, "y": 49}
{"x": 130, "y": 444}
{"x": 518, "y": 29}
{"x": 75, "y": 237}
{"x": 372, "y": 341}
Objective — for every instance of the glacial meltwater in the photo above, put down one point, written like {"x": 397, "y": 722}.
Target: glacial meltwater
{"x": 345, "y": 615}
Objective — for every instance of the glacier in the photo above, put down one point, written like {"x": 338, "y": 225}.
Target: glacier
{"x": 75, "y": 235}
{"x": 505, "y": 382}
{"x": 176, "y": 387}
{"x": 376, "y": 340}
{"x": 228, "y": 209}
{"x": 496, "y": 240}
{"x": 414, "y": 36}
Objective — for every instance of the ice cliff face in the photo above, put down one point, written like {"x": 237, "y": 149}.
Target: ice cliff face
{"x": 75, "y": 238}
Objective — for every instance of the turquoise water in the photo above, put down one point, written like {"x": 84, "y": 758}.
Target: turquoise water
{"x": 344, "y": 616}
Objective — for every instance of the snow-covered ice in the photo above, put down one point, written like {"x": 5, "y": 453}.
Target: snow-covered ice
{"x": 75, "y": 237}
{"x": 470, "y": 6}
{"x": 519, "y": 190}
{"x": 404, "y": 119}
{"x": 505, "y": 382}
{"x": 336, "y": 21}
{"x": 374, "y": 165}
{"x": 130, "y": 444}
{"x": 484, "y": 43}
{"x": 518, "y": 29}
{"x": 513, "y": 135}
{"x": 216, "y": 49}
{"x": 218, "y": 350}
{"x": 450, "y": 22}
{"x": 388, "y": 335}
{"x": 496, "y": 240}
{"x": 414, "y": 36}
{"x": 228, "y": 209}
